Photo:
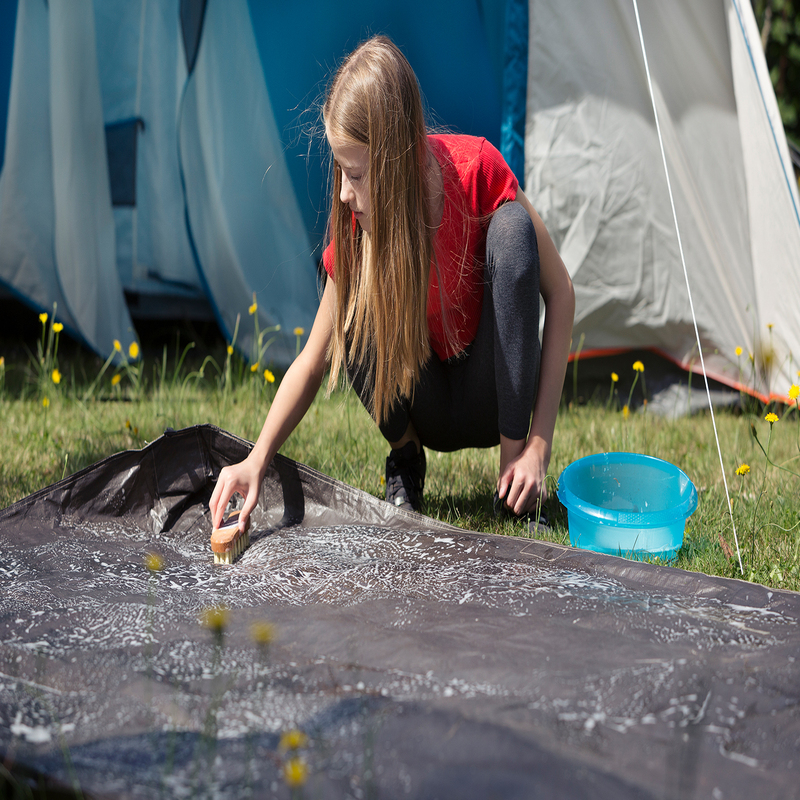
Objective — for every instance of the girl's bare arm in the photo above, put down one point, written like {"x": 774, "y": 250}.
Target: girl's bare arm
{"x": 292, "y": 400}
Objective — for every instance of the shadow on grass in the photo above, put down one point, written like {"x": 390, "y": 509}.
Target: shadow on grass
{"x": 474, "y": 511}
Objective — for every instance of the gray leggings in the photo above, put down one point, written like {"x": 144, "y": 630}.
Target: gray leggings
{"x": 470, "y": 400}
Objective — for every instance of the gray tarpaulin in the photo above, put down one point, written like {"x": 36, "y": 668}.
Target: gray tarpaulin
{"x": 421, "y": 660}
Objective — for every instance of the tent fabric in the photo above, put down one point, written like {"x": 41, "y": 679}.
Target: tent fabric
{"x": 460, "y": 71}
{"x": 233, "y": 168}
{"x": 772, "y": 191}
{"x": 515, "y": 83}
{"x": 56, "y": 222}
{"x": 224, "y": 202}
{"x": 230, "y": 176}
{"x": 421, "y": 660}
{"x": 192, "y": 13}
{"x": 8, "y": 15}
{"x": 594, "y": 171}
{"x": 121, "y": 142}
{"x": 215, "y": 215}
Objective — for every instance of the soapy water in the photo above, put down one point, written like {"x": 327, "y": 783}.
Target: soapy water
{"x": 94, "y": 643}
{"x": 341, "y": 565}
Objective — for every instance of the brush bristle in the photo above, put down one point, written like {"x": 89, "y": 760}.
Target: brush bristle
{"x": 239, "y": 546}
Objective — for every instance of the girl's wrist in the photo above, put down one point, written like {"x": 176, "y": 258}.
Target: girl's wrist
{"x": 509, "y": 450}
{"x": 539, "y": 447}
{"x": 259, "y": 461}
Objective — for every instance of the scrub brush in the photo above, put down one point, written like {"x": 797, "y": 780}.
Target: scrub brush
{"x": 227, "y": 542}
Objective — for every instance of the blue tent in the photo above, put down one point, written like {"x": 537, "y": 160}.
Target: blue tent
{"x": 165, "y": 158}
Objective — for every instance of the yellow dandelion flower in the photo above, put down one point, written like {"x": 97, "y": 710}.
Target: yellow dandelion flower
{"x": 769, "y": 325}
{"x": 292, "y": 740}
{"x": 268, "y": 376}
{"x": 626, "y": 412}
{"x": 45, "y": 401}
{"x": 117, "y": 345}
{"x": 614, "y": 377}
{"x": 116, "y": 379}
{"x": 738, "y": 351}
{"x": 56, "y": 376}
{"x": 383, "y": 480}
{"x": 295, "y": 772}
{"x": 133, "y": 350}
{"x": 43, "y": 317}
{"x": 127, "y": 424}
{"x": 742, "y": 469}
{"x": 794, "y": 391}
{"x": 230, "y": 349}
{"x": 154, "y": 562}
{"x": 254, "y": 367}
{"x": 262, "y": 633}
{"x": 2, "y": 362}
{"x": 58, "y": 327}
{"x": 771, "y": 418}
{"x": 215, "y": 619}
{"x": 299, "y": 331}
{"x": 638, "y": 366}
{"x": 253, "y": 308}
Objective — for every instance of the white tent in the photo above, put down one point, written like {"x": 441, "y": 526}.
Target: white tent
{"x": 593, "y": 169}
{"x": 142, "y": 158}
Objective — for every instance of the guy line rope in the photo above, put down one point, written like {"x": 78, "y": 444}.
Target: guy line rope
{"x": 686, "y": 278}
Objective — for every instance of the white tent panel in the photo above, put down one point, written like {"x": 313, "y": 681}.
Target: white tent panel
{"x": 594, "y": 172}
{"x": 242, "y": 207}
{"x": 84, "y": 223}
{"x": 103, "y": 110}
{"x": 56, "y": 225}
{"x": 27, "y": 216}
{"x": 772, "y": 204}
{"x": 143, "y": 72}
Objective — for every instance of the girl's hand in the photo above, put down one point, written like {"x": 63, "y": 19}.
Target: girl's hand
{"x": 293, "y": 398}
{"x": 243, "y": 478}
{"x": 523, "y": 471}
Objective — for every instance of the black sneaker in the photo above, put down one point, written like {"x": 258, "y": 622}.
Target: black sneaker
{"x": 405, "y": 477}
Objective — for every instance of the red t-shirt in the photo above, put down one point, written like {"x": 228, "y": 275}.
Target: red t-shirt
{"x": 477, "y": 181}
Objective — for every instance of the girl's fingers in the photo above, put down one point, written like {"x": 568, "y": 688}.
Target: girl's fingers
{"x": 502, "y": 488}
{"x": 220, "y": 497}
{"x": 524, "y": 494}
{"x": 250, "y": 502}
{"x": 513, "y": 495}
{"x": 237, "y": 479}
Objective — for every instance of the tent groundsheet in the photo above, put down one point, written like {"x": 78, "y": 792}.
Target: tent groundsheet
{"x": 421, "y": 660}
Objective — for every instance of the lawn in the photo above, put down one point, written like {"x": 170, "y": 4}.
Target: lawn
{"x": 62, "y": 411}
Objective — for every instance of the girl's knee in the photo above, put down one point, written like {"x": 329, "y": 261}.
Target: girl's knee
{"x": 511, "y": 246}
{"x": 510, "y": 221}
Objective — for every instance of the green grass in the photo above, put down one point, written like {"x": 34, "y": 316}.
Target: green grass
{"x": 178, "y": 388}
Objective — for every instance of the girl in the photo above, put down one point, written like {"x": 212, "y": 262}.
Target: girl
{"x": 431, "y": 305}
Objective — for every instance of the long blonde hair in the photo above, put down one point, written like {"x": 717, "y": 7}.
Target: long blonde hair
{"x": 381, "y": 279}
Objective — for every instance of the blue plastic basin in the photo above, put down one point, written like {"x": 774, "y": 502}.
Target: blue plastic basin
{"x": 627, "y": 504}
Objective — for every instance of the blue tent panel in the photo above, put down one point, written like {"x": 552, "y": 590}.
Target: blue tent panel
{"x": 8, "y": 22}
{"x": 208, "y": 128}
{"x": 456, "y": 68}
{"x": 192, "y": 13}
{"x": 515, "y": 86}
{"x": 121, "y": 149}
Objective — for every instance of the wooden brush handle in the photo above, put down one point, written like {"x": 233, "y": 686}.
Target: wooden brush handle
{"x": 223, "y": 538}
